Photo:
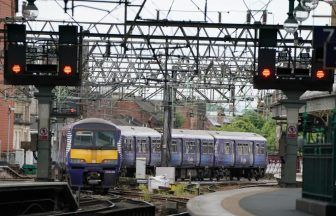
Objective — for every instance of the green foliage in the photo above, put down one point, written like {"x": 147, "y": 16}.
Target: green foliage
{"x": 179, "y": 189}
{"x": 145, "y": 191}
{"x": 179, "y": 120}
{"x": 254, "y": 122}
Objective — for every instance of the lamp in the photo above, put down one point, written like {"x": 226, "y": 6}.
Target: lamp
{"x": 300, "y": 13}
{"x": 309, "y": 5}
{"x": 29, "y": 11}
{"x": 291, "y": 24}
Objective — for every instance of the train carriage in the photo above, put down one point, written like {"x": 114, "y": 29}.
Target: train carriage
{"x": 248, "y": 161}
{"x": 87, "y": 154}
{"x": 193, "y": 151}
{"x": 140, "y": 142}
{"x": 224, "y": 155}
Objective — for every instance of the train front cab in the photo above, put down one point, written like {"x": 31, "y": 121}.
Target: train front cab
{"x": 93, "y": 160}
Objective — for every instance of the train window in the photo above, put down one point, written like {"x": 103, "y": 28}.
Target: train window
{"x": 83, "y": 138}
{"x": 128, "y": 143}
{"x": 187, "y": 147}
{"x": 227, "y": 148}
{"x": 174, "y": 146}
{"x": 190, "y": 147}
{"x": 240, "y": 149}
{"x": 211, "y": 148}
{"x": 243, "y": 149}
{"x": 205, "y": 148}
{"x": 105, "y": 139}
{"x": 257, "y": 149}
{"x": 157, "y": 145}
{"x": 143, "y": 147}
{"x": 246, "y": 150}
{"x": 262, "y": 150}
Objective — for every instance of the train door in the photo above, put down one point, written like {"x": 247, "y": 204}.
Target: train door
{"x": 207, "y": 153}
{"x": 176, "y": 152}
{"x": 198, "y": 146}
{"x": 129, "y": 154}
{"x": 142, "y": 148}
{"x": 244, "y": 156}
{"x": 189, "y": 152}
{"x": 259, "y": 154}
{"x": 155, "y": 151}
{"x": 229, "y": 156}
{"x": 250, "y": 153}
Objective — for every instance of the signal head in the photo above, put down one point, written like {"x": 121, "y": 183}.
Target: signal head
{"x": 320, "y": 74}
{"x": 16, "y": 69}
{"x": 266, "y": 73}
{"x": 67, "y": 70}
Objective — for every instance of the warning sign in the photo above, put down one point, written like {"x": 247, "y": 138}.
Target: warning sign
{"x": 43, "y": 134}
{"x": 292, "y": 131}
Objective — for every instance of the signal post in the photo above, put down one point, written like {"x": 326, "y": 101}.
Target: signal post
{"x": 288, "y": 68}
{"x": 44, "y": 97}
{"x": 288, "y": 166}
{"x": 65, "y": 70}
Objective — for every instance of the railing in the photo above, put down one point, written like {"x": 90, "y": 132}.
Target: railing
{"x": 317, "y": 172}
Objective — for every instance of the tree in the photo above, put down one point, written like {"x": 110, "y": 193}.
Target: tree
{"x": 254, "y": 122}
{"x": 179, "y": 120}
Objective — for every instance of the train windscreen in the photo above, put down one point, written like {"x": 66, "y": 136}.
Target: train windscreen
{"x": 83, "y": 139}
{"x": 94, "y": 139}
{"x": 105, "y": 139}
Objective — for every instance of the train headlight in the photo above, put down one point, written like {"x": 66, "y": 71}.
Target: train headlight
{"x": 77, "y": 160}
{"x": 110, "y": 162}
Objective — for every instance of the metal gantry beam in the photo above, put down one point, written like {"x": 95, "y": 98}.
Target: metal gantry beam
{"x": 208, "y": 58}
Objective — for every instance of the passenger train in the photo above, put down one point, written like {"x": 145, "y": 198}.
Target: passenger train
{"x": 196, "y": 154}
{"x": 94, "y": 152}
{"x": 87, "y": 154}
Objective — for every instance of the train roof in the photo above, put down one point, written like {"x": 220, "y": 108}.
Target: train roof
{"x": 236, "y": 135}
{"x": 90, "y": 120}
{"x": 139, "y": 131}
{"x": 186, "y": 133}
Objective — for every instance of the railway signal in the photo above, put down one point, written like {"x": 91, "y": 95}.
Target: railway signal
{"x": 296, "y": 72}
{"x": 67, "y": 51}
{"x": 35, "y": 64}
{"x": 15, "y": 61}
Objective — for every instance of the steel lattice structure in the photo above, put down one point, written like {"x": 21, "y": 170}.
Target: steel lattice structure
{"x": 212, "y": 62}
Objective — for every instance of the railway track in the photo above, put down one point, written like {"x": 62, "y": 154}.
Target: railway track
{"x": 131, "y": 201}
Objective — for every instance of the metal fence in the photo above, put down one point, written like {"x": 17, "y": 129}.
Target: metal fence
{"x": 317, "y": 172}
{"x": 11, "y": 157}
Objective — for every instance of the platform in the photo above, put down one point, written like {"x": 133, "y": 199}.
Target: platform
{"x": 259, "y": 201}
{"x": 19, "y": 198}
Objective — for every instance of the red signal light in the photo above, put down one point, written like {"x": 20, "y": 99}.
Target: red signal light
{"x": 67, "y": 70}
{"x": 72, "y": 110}
{"x": 16, "y": 69}
{"x": 320, "y": 74}
{"x": 266, "y": 72}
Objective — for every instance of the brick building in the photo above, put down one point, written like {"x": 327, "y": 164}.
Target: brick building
{"x": 146, "y": 113}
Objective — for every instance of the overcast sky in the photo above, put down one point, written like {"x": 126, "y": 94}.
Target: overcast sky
{"x": 233, "y": 11}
